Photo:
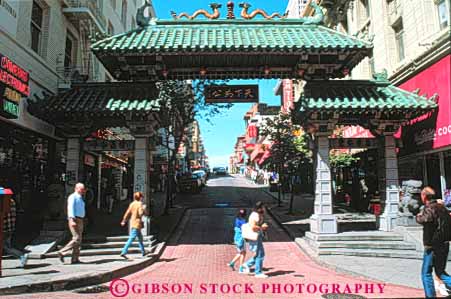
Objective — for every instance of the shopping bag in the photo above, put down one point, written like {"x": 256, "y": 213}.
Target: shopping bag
{"x": 248, "y": 233}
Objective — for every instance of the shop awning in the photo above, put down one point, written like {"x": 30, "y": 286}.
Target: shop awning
{"x": 230, "y": 48}
{"x": 361, "y": 100}
{"x": 258, "y": 152}
{"x": 266, "y": 155}
{"x": 4, "y": 191}
{"x": 108, "y": 104}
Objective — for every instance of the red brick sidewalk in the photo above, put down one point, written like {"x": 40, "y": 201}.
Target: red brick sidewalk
{"x": 201, "y": 255}
{"x": 197, "y": 264}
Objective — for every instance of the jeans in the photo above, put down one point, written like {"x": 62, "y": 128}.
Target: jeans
{"x": 257, "y": 259}
{"x": 8, "y": 246}
{"x": 133, "y": 234}
{"x": 436, "y": 258}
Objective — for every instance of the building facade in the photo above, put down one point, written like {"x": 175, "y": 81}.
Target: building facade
{"x": 411, "y": 42}
{"x": 49, "y": 40}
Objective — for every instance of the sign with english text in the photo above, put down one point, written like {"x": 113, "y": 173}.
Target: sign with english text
{"x": 232, "y": 93}
{"x": 14, "y": 84}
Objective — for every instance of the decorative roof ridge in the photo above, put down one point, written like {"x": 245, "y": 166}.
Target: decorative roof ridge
{"x": 349, "y": 82}
{"x": 230, "y": 21}
{"x": 111, "y": 84}
{"x": 367, "y": 42}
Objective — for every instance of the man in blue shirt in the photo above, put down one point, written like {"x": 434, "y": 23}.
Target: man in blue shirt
{"x": 75, "y": 216}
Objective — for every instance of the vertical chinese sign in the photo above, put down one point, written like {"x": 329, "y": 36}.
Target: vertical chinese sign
{"x": 14, "y": 84}
{"x": 288, "y": 95}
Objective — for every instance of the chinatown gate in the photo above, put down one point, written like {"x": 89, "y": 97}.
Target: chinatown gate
{"x": 245, "y": 47}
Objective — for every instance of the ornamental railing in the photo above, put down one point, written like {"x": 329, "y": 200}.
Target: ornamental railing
{"x": 92, "y": 6}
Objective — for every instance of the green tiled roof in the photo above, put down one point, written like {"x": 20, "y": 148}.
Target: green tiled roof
{"x": 107, "y": 100}
{"x": 355, "y": 95}
{"x": 226, "y": 35}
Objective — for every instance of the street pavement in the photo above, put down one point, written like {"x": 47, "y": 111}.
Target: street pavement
{"x": 193, "y": 264}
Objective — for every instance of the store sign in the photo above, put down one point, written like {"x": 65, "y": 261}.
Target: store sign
{"x": 109, "y": 145}
{"x": 14, "y": 84}
{"x": 89, "y": 160}
{"x": 432, "y": 130}
{"x": 231, "y": 94}
{"x": 288, "y": 95}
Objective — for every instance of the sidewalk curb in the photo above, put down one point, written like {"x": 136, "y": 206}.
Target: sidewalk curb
{"x": 87, "y": 280}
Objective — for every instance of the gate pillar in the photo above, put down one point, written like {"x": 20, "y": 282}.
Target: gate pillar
{"x": 323, "y": 221}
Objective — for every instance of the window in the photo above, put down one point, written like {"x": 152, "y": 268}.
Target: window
{"x": 113, "y": 4}
{"x": 366, "y": 8}
{"x": 69, "y": 52}
{"x": 124, "y": 13}
{"x": 443, "y": 13}
{"x": 399, "y": 37}
{"x": 133, "y": 23}
{"x": 372, "y": 66}
{"x": 110, "y": 28}
{"x": 36, "y": 27}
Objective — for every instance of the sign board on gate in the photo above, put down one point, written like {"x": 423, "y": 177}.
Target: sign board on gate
{"x": 109, "y": 145}
{"x": 231, "y": 93}
{"x": 353, "y": 143}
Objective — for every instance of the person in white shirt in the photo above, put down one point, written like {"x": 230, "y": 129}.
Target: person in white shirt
{"x": 257, "y": 224}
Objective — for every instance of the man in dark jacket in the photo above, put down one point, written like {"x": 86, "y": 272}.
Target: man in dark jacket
{"x": 435, "y": 252}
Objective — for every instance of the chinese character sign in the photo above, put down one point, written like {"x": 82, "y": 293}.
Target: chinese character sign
{"x": 288, "y": 96}
{"x": 231, "y": 94}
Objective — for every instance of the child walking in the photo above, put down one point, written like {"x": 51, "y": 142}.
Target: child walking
{"x": 239, "y": 241}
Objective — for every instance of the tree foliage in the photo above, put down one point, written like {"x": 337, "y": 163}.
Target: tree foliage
{"x": 289, "y": 148}
{"x": 341, "y": 160}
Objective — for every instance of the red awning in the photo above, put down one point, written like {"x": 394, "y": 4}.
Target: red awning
{"x": 258, "y": 152}
{"x": 266, "y": 154}
{"x": 249, "y": 147}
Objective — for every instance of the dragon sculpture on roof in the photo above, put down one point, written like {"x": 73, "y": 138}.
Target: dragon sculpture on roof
{"x": 248, "y": 16}
{"x": 141, "y": 19}
{"x": 215, "y": 15}
{"x": 318, "y": 18}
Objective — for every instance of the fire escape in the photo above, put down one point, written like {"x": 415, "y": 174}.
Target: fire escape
{"x": 87, "y": 16}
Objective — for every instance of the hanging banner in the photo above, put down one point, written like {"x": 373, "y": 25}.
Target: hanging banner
{"x": 231, "y": 94}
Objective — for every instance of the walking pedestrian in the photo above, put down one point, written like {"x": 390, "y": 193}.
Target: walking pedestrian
{"x": 9, "y": 228}
{"x": 239, "y": 241}
{"x": 134, "y": 213}
{"x": 436, "y": 231}
{"x": 75, "y": 214}
{"x": 256, "y": 221}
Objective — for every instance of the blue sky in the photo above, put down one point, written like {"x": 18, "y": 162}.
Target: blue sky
{"x": 220, "y": 135}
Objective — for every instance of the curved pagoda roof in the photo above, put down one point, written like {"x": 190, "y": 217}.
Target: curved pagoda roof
{"x": 98, "y": 105}
{"x": 230, "y": 48}
{"x": 358, "y": 101}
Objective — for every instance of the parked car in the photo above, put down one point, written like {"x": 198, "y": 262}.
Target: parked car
{"x": 190, "y": 182}
{"x": 221, "y": 171}
{"x": 202, "y": 175}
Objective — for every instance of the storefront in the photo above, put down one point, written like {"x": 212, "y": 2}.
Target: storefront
{"x": 25, "y": 168}
{"x": 426, "y": 151}
{"x": 25, "y": 151}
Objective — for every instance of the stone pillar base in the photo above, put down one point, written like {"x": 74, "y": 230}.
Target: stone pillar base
{"x": 387, "y": 223}
{"x": 323, "y": 224}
